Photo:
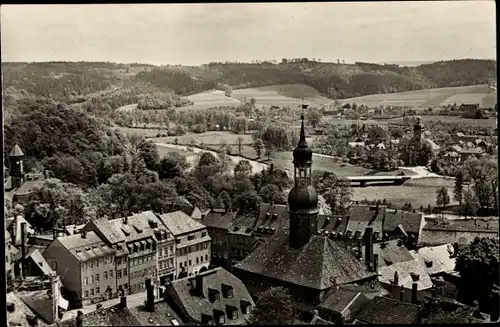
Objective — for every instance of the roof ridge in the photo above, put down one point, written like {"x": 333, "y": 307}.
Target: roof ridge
{"x": 394, "y": 300}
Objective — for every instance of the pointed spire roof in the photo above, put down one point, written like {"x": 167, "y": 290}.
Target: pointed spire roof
{"x": 302, "y": 153}
{"x": 16, "y": 151}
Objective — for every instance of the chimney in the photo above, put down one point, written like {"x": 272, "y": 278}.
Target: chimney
{"x": 275, "y": 216}
{"x": 415, "y": 277}
{"x": 150, "y": 297}
{"x": 369, "y": 246}
{"x": 316, "y": 313}
{"x": 202, "y": 216}
{"x": 23, "y": 249}
{"x": 396, "y": 278}
{"x": 401, "y": 293}
{"x": 125, "y": 220}
{"x": 375, "y": 262}
{"x": 84, "y": 234}
{"x": 414, "y": 290}
{"x": 376, "y": 235}
{"x": 79, "y": 319}
{"x": 198, "y": 285}
{"x": 433, "y": 291}
{"x": 123, "y": 302}
{"x": 268, "y": 215}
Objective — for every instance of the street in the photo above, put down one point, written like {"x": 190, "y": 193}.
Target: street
{"x": 133, "y": 300}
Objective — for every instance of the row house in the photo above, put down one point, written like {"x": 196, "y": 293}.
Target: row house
{"x": 86, "y": 265}
{"x": 192, "y": 243}
{"x": 218, "y": 223}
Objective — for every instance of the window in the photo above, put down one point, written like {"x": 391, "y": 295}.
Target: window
{"x": 54, "y": 264}
{"x": 171, "y": 249}
{"x": 180, "y": 265}
{"x": 201, "y": 258}
{"x": 97, "y": 290}
{"x": 92, "y": 292}
{"x": 119, "y": 274}
{"x": 206, "y": 257}
{"x": 6, "y": 258}
{"x": 92, "y": 279}
{"x": 105, "y": 275}
{"x": 190, "y": 262}
{"x": 185, "y": 263}
{"x": 191, "y": 237}
{"x": 160, "y": 253}
{"x": 203, "y": 234}
{"x": 142, "y": 260}
{"x": 230, "y": 293}
{"x": 86, "y": 294}
{"x": 205, "y": 245}
{"x": 197, "y": 260}
{"x": 91, "y": 263}
{"x": 221, "y": 319}
{"x": 178, "y": 241}
{"x": 125, "y": 272}
{"x": 118, "y": 261}
{"x": 84, "y": 266}
{"x": 189, "y": 249}
{"x": 97, "y": 263}
{"x": 111, "y": 274}
{"x": 216, "y": 297}
{"x": 97, "y": 278}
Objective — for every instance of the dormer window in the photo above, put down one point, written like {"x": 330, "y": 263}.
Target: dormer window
{"x": 214, "y": 295}
{"x": 246, "y": 307}
{"x": 206, "y": 319}
{"x": 191, "y": 237}
{"x": 219, "y": 317}
{"x": 203, "y": 234}
{"x": 232, "y": 312}
{"x": 227, "y": 291}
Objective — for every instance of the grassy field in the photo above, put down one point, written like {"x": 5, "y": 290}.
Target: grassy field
{"x": 420, "y": 192}
{"x": 208, "y": 138}
{"x": 282, "y": 95}
{"x": 425, "y": 98}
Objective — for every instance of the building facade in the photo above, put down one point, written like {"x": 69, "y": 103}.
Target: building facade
{"x": 192, "y": 243}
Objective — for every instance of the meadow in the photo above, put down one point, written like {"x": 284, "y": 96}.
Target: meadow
{"x": 282, "y": 95}
{"x": 425, "y": 98}
{"x": 420, "y": 192}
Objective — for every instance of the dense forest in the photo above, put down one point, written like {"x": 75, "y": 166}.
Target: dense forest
{"x": 70, "y": 82}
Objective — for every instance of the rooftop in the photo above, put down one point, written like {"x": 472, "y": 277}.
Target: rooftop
{"x": 85, "y": 248}
{"x": 213, "y": 281}
{"x": 411, "y": 221}
{"x": 384, "y": 310}
{"x": 219, "y": 219}
{"x": 28, "y": 187}
{"x": 361, "y": 216}
{"x": 404, "y": 270}
{"x": 389, "y": 252}
{"x": 111, "y": 231}
{"x": 332, "y": 223}
{"x": 436, "y": 258}
{"x": 37, "y": 301}
{"x": 16, "y": 151}
{"x": 342, "y": 299}
{"x": 462, "y": 224}
{"x": 311, "y": 266}
{"x": 133, "y": 227}
{"x": 179, "y": 223}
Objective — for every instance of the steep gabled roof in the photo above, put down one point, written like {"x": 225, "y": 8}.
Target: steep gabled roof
{"x": 362, "y": 216}
{"x": 219, "y": 219}
{"x": 390, "y": 252}
{"x": 404, "y": 269}
{"x": 384, "y": 310}
{"x": 311, "y": 266}
{"x": 109, "y": 230}
{"x": 411, "y": 221}
{"x": 179, "y": 223}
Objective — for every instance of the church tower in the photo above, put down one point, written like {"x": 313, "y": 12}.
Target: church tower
{"x": 418, "y": 130}
{"x": 303, "y": 199}
{"x": 16, "y": 170}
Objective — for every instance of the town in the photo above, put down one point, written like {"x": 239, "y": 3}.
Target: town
{"x": 284, "y": 192}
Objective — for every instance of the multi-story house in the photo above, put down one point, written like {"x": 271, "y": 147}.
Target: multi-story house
{"x": 218, "y": 223}
{"x": 192, "y": 243}
{"x": 112, "y": 235}
{"x": 85, "y": 264}
{"x": 165, "y": 246}
{"x": 141, "y": 246}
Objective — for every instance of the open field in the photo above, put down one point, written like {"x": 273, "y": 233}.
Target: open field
{"x": 145, "y": 132}
{"x": 208, "y": 138}
{"x": 420, "y": 192}
{"x": 425, "y": 98}
{"x": 282, "y": 95}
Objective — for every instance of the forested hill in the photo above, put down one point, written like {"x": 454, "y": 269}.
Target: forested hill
{"x": 71, "y": 82}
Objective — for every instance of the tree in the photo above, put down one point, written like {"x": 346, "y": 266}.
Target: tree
{"x": 224, "y": 200}
{"x": 172, "y": 165}
{"x": 470, "y": 204}
{"x": 240, "y": 144}
{"x": 274, "y": 307}
{"x": 270, "y": 148}
{"x": 314, "y": 117}
{"x": 148, "y": 151}
{"x": 442, "y": 199}
{"x": 258, "y": 145}
{"x": 243, "y": 167}
{"x": 336, "y": 190}
{"x": 272, "y": 193}
{"x": 477, "y": 264}
{"x": 459, "y": 187}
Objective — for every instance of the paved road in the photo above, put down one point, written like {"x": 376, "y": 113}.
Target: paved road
{"x": 133, "y": 300}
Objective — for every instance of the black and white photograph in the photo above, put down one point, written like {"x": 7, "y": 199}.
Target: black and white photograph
{"x": 267, "y": 163}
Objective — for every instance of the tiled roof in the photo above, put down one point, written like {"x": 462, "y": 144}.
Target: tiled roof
{"x": 362, "y": 216}
{"x": 16, "y": 151}
{"x": 85, "y": 248}
{"x": 179, "y": 223}
{"x": 410, "y": 221}
{"x": 73, "y": 229}
{"x": 110, "y": 230}
{"x": 21, "y": 311}
{"x": 28, "y": 187}
{"x": 389, "y": 252}
{"x": 8, "y": 183}
{"x": 404, "y": 269}
{"x": 145, "y": 220}
{"x": 341, "y": 299}
{"x": 219, "y": 219}
{"x": 432, "y": 144}
{"x": 278, "y": 216}
{"x": 196, "y": 306}
{"x": 40, "y": 303}
{"x": 113, "y": 316}
{"x": 436, "y": 258}
{"x": 384, "y": 310}
{"x": 331, "y": 223}
{"x": 312, "y": 266}
{"x": 244, "y": 223}
{"x": 162, "y": 315}
{"x": 134, "y": 226}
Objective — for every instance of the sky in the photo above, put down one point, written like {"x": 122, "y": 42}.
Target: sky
{"x": 193, "y": 34}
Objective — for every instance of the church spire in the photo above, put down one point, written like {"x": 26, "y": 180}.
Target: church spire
{"x": 302, "y": 141}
